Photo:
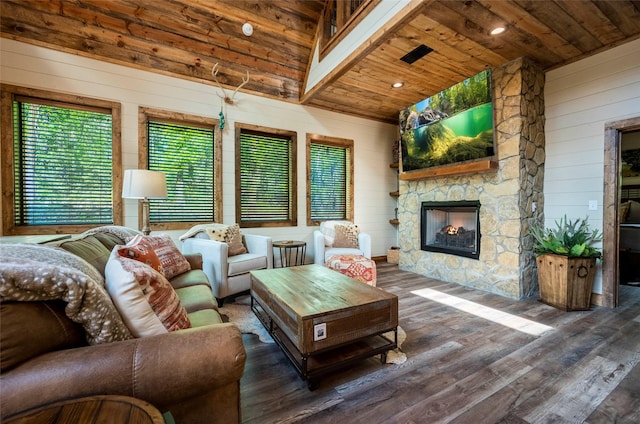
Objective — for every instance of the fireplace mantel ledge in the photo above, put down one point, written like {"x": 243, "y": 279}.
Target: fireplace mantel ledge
{"x": 442, "y": 171}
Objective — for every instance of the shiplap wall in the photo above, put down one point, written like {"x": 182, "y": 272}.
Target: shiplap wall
{"x": 579, "y": 99}
{"x": 37, "y": 67}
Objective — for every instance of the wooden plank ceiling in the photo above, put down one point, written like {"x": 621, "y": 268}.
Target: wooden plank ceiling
{"x": 186, "y": 38}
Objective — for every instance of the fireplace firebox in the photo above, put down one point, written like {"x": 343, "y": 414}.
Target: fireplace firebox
{"x": 451, "y": 227}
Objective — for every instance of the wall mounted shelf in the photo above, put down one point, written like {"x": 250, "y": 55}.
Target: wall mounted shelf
{"x": 443, "y": 171}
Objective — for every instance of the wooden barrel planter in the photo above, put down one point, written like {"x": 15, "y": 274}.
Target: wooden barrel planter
{"x": 566, "y": 283}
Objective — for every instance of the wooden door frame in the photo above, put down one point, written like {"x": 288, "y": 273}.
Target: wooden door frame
{"x": 610, "y": 220}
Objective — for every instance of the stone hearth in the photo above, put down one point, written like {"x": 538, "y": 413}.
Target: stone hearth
{"x": 511, "y": 196}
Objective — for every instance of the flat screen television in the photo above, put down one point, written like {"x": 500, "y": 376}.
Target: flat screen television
{"x": 455, "y": 125}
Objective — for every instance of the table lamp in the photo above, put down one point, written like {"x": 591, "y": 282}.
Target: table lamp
{"x": 144, "y": 185}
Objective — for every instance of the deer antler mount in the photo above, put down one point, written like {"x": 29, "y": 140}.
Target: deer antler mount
{"x": 228, "y": 100}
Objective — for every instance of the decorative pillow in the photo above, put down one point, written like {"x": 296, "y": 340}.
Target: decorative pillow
{"x": 346, "y": 236}
{"x": 159, "y": 252}
{"x": 108, "y": 240}
{"x": 141, "y": 250}
{"x": 90, "y": 249}
{"x": 229, "y": 234}
{"x": 328, "y": 230}
{"x": 145, "y": 299}
{"x": 172, "y": 260}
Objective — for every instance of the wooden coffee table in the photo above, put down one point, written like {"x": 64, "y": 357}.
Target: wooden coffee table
{"x": 323, "y": 320}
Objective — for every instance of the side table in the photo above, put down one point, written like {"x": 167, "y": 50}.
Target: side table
{"x": 292, "y": 252}
{"x": 90, "y": 410}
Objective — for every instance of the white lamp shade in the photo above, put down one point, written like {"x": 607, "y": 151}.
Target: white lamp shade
{"x": 144, "y": 184}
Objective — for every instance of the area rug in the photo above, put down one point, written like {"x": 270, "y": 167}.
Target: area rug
{"x": 239, "y": 313}
{"x": 397, "y": 356}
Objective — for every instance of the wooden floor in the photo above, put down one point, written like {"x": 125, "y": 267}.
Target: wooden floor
{"x": 464, "y": 368}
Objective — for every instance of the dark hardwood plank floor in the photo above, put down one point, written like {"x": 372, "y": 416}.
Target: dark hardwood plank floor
{"x": 464, "y": 368}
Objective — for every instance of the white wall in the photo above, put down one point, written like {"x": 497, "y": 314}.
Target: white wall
{"x": 579, "y": 99}
{"x": 36, "y": 67}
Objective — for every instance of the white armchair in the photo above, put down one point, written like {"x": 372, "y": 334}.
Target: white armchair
{"x": 229, "y": 275}
{"x": 322, "y": 250}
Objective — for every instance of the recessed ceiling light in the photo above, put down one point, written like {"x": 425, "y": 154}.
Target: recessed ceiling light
{"x": 247, "y": 29}
{"x": 397, "y": 84}
{"x": 498, "y": 30}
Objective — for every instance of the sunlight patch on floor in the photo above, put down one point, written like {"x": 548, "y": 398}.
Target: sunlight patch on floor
{"x": 503, "y": 318}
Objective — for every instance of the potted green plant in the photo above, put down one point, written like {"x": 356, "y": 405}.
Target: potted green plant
{"x": 566, "y": 261}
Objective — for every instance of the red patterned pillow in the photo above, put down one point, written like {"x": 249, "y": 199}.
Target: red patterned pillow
{"x": 172, "y": 260}
{"x": 159, "y": 252}
{"x": 141, "y": 250}
{"x": 145, "y": 299}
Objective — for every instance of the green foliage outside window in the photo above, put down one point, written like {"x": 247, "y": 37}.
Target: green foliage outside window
{"x": 266, "y": 178}
{"x": 329, "y": 182}
{"x": 63, "y": 165}
{"x": 185, "y": 154}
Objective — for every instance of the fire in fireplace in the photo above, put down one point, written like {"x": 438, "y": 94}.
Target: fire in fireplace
{"x": 451, "y": 227}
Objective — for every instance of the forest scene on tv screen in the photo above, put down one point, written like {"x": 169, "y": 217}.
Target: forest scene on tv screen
{"x": 452, "y": 126}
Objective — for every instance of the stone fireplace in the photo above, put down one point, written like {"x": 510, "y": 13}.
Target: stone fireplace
{"x": 451, "y": 227}
{"x": 510, "y": 195}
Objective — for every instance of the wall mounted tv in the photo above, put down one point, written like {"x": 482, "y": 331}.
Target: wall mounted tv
{"x": 455, "y": 125}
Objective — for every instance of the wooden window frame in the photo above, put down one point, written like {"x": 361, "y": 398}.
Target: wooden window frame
{"x": 8, "y": 94}
{"x": 337, "y": 142}
{"x": 345, "y": 22}
{"x": 293, "y": 221}
{"x": 144, "y": 115}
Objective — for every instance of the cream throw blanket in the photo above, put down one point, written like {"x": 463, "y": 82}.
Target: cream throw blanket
{"x": 122, "y": 233}
{"x": 200, "y": 228}
{"x": 31, "y": 272}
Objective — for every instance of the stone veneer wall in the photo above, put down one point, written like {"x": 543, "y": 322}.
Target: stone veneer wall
{"x": 507, "y": 195}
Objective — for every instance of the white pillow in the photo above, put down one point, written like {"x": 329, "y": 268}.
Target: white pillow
{"x": 145, "y": 299}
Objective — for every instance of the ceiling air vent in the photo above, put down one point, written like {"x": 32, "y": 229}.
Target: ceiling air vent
{"x": 417, "y": 53}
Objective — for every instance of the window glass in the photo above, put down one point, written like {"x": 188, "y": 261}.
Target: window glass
{"x": 266, "y": 165}
{"x": 63, "y": 156}
{"x": 329, "y": 179}
{"x": 185, "y": 155}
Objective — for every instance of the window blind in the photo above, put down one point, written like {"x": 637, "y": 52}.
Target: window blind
{"x": 62, "y": 164}
{"x": 266, "y": 177}
{"x": 329, "y": 182}
{"x": 185, "y": 154}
